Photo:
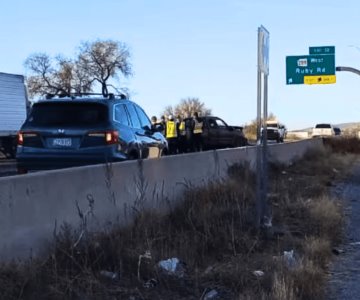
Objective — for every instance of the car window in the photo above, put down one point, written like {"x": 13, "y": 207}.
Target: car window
{"x": 144, "y": 119}
{"x": 121, "y": 115}
{"x": 212, "y": 123}
{"x": 67, "y": 114}
{"x": 133, "y": 116}
{"x": 220, "y": 123}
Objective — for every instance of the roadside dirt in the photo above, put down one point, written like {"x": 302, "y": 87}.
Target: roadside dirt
{"x": 345, "y": 270}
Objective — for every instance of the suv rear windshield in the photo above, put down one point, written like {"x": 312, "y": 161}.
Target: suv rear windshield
{"x": 67, "y": 114}
{"x": 323, "y": 126}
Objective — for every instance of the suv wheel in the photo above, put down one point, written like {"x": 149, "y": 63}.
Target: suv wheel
{"x": 133, "y": 155}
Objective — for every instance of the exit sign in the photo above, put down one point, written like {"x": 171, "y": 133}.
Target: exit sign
{"x": 319, "y": 66}
{"x": 323, "y": 50}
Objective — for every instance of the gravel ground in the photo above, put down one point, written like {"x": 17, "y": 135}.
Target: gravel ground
{"x": 344, "y": 280}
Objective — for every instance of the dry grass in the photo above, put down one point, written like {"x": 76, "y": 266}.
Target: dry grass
{"x": 344, "y": 144}
{"x": 211, "y": 230}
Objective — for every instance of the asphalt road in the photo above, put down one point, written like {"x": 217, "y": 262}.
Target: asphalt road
{"x": 345, "y": 271}
{"x": 7, "y": 167}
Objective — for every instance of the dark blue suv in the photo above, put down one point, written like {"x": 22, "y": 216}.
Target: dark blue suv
{"x": 74, "y": 131}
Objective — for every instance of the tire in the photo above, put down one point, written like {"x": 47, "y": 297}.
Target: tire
{"x": 164, "y": 152}
{"x": 133, "y": 155}
{"x": 238, "y": 143}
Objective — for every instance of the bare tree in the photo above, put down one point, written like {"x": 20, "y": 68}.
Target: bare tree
{"x": 96, "y": 62}
{"x": 43, "y": 74}
{"x": 72, "y": 77}
{"x": 187, "y": 107}
{"x": 103, "y": 60}
{"x": 58, "y": 76}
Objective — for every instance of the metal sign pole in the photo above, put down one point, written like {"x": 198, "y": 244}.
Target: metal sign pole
{"x": 266, "y": 218}
{"x": 262, "y": 217}
{"x": 259, "y": 207}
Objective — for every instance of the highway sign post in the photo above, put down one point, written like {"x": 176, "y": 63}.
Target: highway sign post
{"x": 316, "y": 68}
{"x": 263, "y": 218}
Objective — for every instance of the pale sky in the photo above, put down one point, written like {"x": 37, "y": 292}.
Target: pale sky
{"x": 201, "y": 48}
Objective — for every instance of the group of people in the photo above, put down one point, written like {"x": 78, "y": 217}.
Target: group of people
{"x": 183, "y": 134}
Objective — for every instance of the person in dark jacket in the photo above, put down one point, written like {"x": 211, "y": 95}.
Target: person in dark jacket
{"x": 154, "y": 122}
{"x": 163, "y": 125}
{"x": 189, "y": 133}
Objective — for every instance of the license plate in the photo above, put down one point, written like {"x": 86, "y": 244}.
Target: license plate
{"x": 62, "y": 142}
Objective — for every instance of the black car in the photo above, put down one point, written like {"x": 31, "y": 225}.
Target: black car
{"x": 74, "y": 131}
{"x": 217, "y": 134}
{"x": 337, "y": 131}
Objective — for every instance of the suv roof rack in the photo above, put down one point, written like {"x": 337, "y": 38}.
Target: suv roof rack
{"x": 110, "y": 96}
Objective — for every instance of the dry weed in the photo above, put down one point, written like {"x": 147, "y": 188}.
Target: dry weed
{"x": 282, "y": 287}
{"x": 325, "y": 217}
{"x": 318, "y": 250}
{"x": 212, "y": 231}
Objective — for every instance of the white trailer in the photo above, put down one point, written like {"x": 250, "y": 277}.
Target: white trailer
{"x": 14, "y": 105}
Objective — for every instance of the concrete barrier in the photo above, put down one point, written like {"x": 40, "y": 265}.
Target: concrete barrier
{"x": 33, "y": 206}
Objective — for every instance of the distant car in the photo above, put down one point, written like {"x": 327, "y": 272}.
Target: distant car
{"x": 337, "y": 131}
{"x": 275, "y": 131}
{"x": 217, "y": 134}
{"x": 323, "y": 130}
{"x": 65, "y": 132}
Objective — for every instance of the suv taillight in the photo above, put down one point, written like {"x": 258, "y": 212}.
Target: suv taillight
{"x": 111, "y": 137}
{"x": 24, "y": 134}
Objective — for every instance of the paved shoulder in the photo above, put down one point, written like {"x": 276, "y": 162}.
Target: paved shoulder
{"x": 345, "y": 271}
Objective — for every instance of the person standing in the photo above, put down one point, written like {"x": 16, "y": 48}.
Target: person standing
{"x": 181, "y": 134}
{"x": 171, "y": 134}
{"x": 163, "y": 125}
{"x": 154, "y": 123}
{"x": 189, "y": 133}
{"x": 198, "y": 129}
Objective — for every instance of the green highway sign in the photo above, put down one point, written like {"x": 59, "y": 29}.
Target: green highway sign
{"x": 297, "y": 67}
{"x": 324, "y": 50}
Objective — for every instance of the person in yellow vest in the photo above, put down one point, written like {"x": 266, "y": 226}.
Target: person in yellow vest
{"x": 198, "y": 129}
{"x": 181, "y": 134}
{"x": 171, "y": 134}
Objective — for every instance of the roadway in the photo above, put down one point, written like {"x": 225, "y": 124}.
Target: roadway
{"x": 7, "y": 167}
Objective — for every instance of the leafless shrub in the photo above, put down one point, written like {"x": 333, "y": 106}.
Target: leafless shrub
{"x": 283, "y": 287}
{"x": 325, "y": 217}
{"x": 343, "y": 144}
{"x": 318, "y": 250}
